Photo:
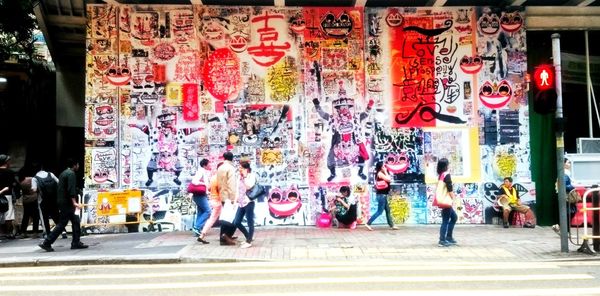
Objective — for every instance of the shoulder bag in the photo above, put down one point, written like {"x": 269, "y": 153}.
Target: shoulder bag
{"x": 255, "y": 192}
{"x": 442, "y": 198}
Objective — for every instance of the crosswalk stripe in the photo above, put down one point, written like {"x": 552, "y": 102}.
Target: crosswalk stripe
{"x": 260, "y": 271}
{"x": 449, "y": 292}
{"x": 305, "y": 281}
{"x": 294, "y": 264}
{"x": 13, "y": 270}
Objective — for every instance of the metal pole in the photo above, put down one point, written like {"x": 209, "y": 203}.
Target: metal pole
{"x": 560, "y": 146}
{"x": 588, "y": 82}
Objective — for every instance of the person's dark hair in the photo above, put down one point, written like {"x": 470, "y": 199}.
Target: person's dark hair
{"x": 345, "y": 189}
{"x": 70, "y": 162}
{"x": 246, "y": 165}
{"x": 228, "y": 156}
{"x": 566, "y": 159}
{"x": 203, "y": 162}
{"x": 442, "y": 165}
{"x": 509, "y": 179}
{"x": 378, "y": 166}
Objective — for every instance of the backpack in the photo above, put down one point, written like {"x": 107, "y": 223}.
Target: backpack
{"x": 28, "y": 196}
{"x": 48, "y": 187}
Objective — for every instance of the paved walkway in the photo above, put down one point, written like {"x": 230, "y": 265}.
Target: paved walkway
{"x": 477, "y": 243}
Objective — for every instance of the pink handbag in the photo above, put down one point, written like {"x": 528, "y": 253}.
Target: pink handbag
{"x": 381, "y": 185}
{"x": 194, "y": 189}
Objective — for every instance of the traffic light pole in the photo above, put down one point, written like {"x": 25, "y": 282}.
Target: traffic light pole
{"x": 560, "y": 146}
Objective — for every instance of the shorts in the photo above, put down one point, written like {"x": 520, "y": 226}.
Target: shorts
{"x": 10, "y": 214}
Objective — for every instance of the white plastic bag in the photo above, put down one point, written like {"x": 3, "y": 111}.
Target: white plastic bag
{"x": 228, "y": 212}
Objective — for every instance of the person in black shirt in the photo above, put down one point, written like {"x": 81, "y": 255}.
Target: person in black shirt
{"x": 449, "y": 216}
{"x": 382, "y": 177}
{"x": 67, "y": 204}
{"x": 10, "y": 188}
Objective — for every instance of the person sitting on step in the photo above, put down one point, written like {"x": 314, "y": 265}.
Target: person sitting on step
{"x": 509, "y": 200}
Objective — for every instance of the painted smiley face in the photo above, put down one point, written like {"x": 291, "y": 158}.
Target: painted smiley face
{"x": 394, "y": 18}
{"x": 118, "y": 76}
{"x": 471, "y": 65}
{"x": 283, "y": 205}
{"x": 214, "y": 31}
{"x": 104, "y": 115}
{"x": 397, "y": 163}
{"x": 489, "y": 24}
{"x": 337, "y": 27}
{"x": 100, "y": 176}
{"x": 495, "y": 96}
{"x": 511, "y": 21}
{"x": 297, "y": 23}
{"x": 238, "y": 43}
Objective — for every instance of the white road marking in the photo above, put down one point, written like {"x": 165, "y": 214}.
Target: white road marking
{"x": 234, "y": 271}
{"x": 307, "y": 281}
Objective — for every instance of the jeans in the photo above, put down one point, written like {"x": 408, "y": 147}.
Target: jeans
{"x": 247, "y": 211}
{"x": 382, "y": 204}
{"x": 66, "y": 215}
{"x": 202, "y": 211}
{"x": 448, "y": 220}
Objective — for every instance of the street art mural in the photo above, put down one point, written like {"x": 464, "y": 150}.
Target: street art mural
{"x": 312, "y": 97}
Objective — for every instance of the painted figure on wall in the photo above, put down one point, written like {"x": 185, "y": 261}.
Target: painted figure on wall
{"x": 348, "y": 145}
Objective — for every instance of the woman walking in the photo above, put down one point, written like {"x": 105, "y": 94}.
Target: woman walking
{"x": 382, "y": 189}
{"x": 201, "y": 199}
{"x": 246, "y": 206}
{"x": 448, "y": 215}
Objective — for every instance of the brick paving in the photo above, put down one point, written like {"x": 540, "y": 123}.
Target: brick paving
{"x": 477, "y": 243}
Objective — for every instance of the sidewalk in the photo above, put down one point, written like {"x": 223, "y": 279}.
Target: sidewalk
{"x": 477, "y": 243}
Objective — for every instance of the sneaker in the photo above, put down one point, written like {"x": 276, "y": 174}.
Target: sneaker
{"x": 505, "y": 224}
{"x": 394, "y": 227}
{"x": 245, "y": 245}
{"x": 443, "y": 243}
{"x": 367, "y": 226}
{"x": 47, "y": 248}
{"x": 451, "y": 241}
{"x": 528, "y": 225}
{"x": 79, "y": 246}
{"x": 64, "y": 235}
{"x": 556, "y": 229}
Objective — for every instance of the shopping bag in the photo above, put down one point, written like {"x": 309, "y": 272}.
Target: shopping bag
{"x": 442, "y": 198}
{"x": 228, "y": 212}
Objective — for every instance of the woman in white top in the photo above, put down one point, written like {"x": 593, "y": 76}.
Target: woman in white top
{"x": 201, "y": 200}
{"x": 246, "y": 206}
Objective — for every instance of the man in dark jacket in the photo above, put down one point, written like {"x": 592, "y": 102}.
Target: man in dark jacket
{"x": 67, "y": 204}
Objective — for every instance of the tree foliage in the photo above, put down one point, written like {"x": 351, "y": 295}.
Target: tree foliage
{"x": 17, "y": 23}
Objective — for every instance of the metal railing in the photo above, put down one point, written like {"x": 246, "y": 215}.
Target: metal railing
{"x": 585, "y": 248}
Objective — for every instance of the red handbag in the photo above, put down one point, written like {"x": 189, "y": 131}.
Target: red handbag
{"x": 196, "y": 189}
{"x": 381, "y": 185}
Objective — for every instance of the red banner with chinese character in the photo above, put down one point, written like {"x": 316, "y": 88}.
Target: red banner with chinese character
{"x": 413, "y": 74}
{"x": 190, "y": 102}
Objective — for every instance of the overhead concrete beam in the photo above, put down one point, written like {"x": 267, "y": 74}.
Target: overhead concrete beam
{"x": 546, "y": 18}
{"x": 360, "y": 3}
{"x": 436, "y": 3}
{"x": 65, "y": 20}
{"x": 581, "y": 3}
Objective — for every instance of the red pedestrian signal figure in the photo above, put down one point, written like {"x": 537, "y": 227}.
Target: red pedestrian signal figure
{"x": 544, "y": 91}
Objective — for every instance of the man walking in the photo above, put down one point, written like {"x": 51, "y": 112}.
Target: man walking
{"x": 67, "y": 204}
{"x": 46, "y": 184}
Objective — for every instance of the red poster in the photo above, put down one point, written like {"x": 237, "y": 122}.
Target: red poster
{"x": 159, "y": 73}
{"x": 413, "y": 74}
{"x": 190, "y": 102}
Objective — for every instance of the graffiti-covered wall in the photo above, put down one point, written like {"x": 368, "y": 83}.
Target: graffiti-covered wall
{"x": 313, "y": 97}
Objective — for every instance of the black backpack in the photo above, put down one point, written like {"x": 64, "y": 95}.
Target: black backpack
{"x": 48, "y": 187}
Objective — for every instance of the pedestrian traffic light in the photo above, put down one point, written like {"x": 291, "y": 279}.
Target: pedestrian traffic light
{"x": 544, "y": 91}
